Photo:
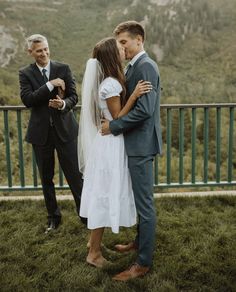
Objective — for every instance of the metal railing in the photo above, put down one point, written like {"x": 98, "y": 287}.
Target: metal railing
{"x": 198, "y": 139}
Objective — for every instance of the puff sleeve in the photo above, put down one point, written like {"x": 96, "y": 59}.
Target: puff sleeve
{"x": 110, "y": 87}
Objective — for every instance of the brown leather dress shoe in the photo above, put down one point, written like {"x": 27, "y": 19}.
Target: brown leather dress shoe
{"x": 134, "y": 271}
{"x": 126, "y": 247}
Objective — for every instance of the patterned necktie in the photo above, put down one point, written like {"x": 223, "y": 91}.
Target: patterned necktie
{"x": 45, "y": 78}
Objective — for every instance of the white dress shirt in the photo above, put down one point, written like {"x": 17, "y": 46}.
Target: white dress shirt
{"x": 135, "y": 58}
{"x": 49, "y": 84}
{"x": 47, "y": 68}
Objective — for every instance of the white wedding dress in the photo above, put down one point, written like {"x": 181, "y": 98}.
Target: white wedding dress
{"x": 107, "y": 196}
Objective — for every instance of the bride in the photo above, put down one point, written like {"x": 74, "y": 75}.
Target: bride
{"x": 107, "y": 197}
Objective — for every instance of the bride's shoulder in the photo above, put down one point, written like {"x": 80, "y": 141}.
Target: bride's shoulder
{"x": 110, "y": 81}
{"x": 110, "y": 87}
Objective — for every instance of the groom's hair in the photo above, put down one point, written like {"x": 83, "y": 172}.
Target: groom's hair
{"x": 132, "y": 27}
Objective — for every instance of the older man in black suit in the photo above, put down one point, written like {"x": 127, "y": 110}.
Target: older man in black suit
{"x": 48, "y": 89}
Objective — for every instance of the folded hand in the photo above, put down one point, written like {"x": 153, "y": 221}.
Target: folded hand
{"x": 58, "y": 82}
{"x": 56, "y": 103}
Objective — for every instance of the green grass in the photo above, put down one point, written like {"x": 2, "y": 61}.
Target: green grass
{"x": 195, "y": 249}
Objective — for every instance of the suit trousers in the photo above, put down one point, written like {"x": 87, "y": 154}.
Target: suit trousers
{"x": 67, "y": 156}
{"x": 141, "y": 171}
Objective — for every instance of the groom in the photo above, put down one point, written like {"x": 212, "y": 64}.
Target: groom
{"x": 142, "y": 134}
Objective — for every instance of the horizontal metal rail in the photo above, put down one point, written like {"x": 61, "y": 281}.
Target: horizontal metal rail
{"x": 198, "y": 142}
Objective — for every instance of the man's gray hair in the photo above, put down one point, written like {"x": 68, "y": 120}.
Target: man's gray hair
{"x": 35, "y": 38}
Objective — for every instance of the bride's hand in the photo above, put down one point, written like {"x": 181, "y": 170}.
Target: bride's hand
{"x": 141, "y": 88}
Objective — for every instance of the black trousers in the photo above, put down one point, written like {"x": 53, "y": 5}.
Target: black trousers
{"x": 68, "y": 159}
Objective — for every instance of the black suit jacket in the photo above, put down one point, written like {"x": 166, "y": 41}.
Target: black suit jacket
{"x": 35, "y": 95}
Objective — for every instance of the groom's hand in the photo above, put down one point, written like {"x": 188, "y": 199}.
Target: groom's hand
{"x": 105, "y": 130}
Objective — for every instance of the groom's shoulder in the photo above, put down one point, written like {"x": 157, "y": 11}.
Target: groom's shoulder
{"x": 147, "y": 59}
{"x": 147, "y": 63}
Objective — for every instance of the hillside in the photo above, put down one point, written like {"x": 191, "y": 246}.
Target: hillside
{"x": 193, "y": 41}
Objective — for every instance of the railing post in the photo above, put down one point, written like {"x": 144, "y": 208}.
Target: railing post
{"x": 206, "y": 142}
{"x": 230, "y": 147}
{"x": 168, "y": 142}
{"x": 193, "y": 143}
{"x": 21, "y": 155}
{"x": 8, "y": 152}
{"x": 181, "y": 145}
{"x": 218, "y": 143}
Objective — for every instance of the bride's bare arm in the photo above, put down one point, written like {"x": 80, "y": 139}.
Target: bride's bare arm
{"x": 114, "y": 103}
{"x": 141, "y": 88}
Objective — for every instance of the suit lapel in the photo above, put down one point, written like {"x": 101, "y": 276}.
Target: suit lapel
{"x": 37, "y": 74}
{"x": 53, "y": 71}
{"x": 132, "y": 69}
{"x": 129, "y": 73}
{"x": 139, "y": 59}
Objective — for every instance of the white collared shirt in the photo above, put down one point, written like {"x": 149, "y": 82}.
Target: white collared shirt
{"x": 49, "y": 84}
{"x": 135, "y": 58}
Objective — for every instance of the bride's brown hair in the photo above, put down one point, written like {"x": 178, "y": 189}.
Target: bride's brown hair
{"x": 107, "y": 53}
